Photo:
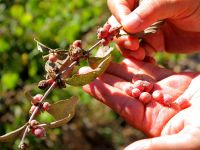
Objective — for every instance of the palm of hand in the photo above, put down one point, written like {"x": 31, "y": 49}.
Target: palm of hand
{"x": 154, "y": 119}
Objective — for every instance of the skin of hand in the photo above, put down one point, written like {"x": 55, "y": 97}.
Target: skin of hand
{"x": 180, "y": 32}
{"x": 169, "y": 128}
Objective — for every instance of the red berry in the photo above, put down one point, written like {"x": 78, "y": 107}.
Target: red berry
{"x": 107, "y": 26}
{"x": 37, "y": 98}
{"x": 38, "y": 132}
{"x": 145, "y": 97}
{"x": 128, "y": 89}
{"x": 46, "y": 106}
{"x": 102, "y": 33}
{"x": 33, "y": 123}
{"x": 114, "y": 31}
{"x": 139, "y": 85}
{"x": 53, "y": 57}
{"x": 77, "y": 43}
{"x": 33, "y": 109}
{"x": 157, "y": 96}
{"x": 167, "y": 99}
{"x": 136, "y": 92}
{"x": 148, "y": 86}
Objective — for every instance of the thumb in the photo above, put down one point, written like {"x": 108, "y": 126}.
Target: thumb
{"x": 150, "y": 11}
{"x": 168, "y": 142}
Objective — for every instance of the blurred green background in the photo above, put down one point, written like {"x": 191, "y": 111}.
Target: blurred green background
{"x": 57, "y": 23}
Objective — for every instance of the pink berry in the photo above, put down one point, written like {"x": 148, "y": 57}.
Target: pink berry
{"x": 46, "y": 106}
{"x": 136, "y": 92}
{"x": 102, "y": 33}
{"x": 107, "y": 26}
{"x": 77, "y": 43}
{"x": 167, "y": 99}
{"x": 128, "y": 89}
{"x": 145, "y": 97}
{"x": 33, "y": 123}
{"x": 148, "y": 86}
{"x": 139, "y": 85}
{"x": 33, "y": 109}
{"x": 37, "y": 98}
{"x": 38, "y": 132}
{"x": 158, "y": 96}
{"x": 114, "y": 31}
{"x": 53, "y": 57}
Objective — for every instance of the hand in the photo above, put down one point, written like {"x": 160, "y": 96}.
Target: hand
{"x": 169, "y": 127}
{"x": 179, "y": 34}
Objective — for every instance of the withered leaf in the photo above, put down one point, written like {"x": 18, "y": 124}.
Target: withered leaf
{"x": 41, "y": 47}
{"x": 13, "y": 135}
{"x": 63, "y": 108}
{"x": 101, "y": 54}
{"x": 82, "y": 79}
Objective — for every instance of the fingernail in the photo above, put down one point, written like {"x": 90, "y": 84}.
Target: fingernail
{"x": 131, "y": 22}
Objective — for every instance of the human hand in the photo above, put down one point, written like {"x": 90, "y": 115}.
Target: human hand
{"x": 180, "y": 32}
{"x": 169, "y": 126}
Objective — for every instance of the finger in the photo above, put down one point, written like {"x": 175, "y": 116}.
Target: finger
{"x": 150, "y": 11}
{"x": 121, "y": 8}
{"x": 149, "y": 69}
{"x": 168, "y": 142}
{"x": 128, "y": 42}
{"x": 139, "y": 54}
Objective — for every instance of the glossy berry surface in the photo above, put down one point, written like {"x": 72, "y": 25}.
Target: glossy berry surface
{"x": 38, "y": 132}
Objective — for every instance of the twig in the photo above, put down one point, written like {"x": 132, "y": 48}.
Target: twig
{"x": 48, "y": 92}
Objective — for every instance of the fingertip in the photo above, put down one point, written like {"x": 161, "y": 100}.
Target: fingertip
{"x": 131, "y": 22}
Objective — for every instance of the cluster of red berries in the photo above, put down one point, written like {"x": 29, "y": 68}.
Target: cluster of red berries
{"x": 107, "y": 33}
{"x": 37, "y": 130}
{"x": 144, "y": 92}
{"x": 36, "y": 102}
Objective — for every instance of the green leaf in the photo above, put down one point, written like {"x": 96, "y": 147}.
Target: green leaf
{"x": 10, "y": 80}
{"x": 41, "y": 47}
{"x": 13, "y": 135}
{"x": 82, "y": 79}
{"x": 63, "y": 108}
{"x": 58, "y": 123}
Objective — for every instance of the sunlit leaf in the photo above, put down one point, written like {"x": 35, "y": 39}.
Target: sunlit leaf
{"x": 63, "y": 108}
{"x": 12, "y": 135}
{"x": 41, "y": 47}
{"x": 59, "y": 122}
{"x": 82, "y": 79}
{"x": 101, "y": 54}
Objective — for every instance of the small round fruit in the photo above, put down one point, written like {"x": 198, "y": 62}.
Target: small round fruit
{"x": 77, "y": 43}
{"x": 148, "y": 86}
{"x": 38, "y": 132}
{"x": 46, "y": 106}
{"x": 53, "y": 57}
{"x": 145, "y": 97}
{"x": 139, "y": 85}
{"x": 33, "y": 123}
{"x": 37, "y": 98}
{"x": 136, "y": 92}
{"x": 157, "y": 96}
{"x": 102, "y": 33}
{"x": 128, "y": 89}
